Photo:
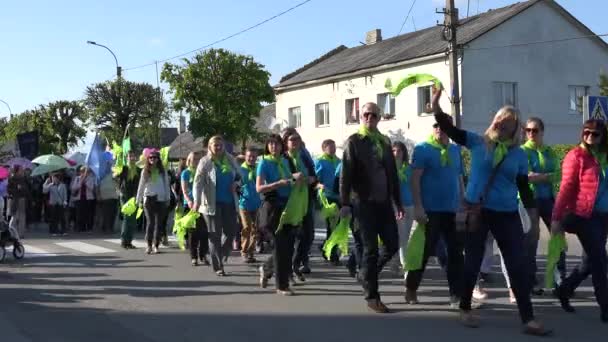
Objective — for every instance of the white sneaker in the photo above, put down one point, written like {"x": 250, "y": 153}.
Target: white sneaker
{"x": 479, "y": 293}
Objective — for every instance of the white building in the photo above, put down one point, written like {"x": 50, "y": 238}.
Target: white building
{"x": 512, "y": 55}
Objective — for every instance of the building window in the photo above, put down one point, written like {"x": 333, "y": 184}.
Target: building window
{"x": 386, "y": 103}
{"x": 576, "y": 94}
{"x": 294, "y": 117}
{"x": 322, "y": 114}
{"x": 425, "y": 96}
{"x": 505, "y": 94}
{"x": 352, "y": 111}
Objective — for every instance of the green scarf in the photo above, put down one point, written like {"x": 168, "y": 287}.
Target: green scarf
{"x": 377, "y": 139}
{"x": 599, "y": 157}
{"x": 402, "y": 172}
{"x": 222, "y": 163}
{"x": 501, "y": 150}
{"x": 295, "y": 158}
{"x": 296, "y": 207}
{"x": 132, "y": 171}
{"x": 540, "y": 150}
{"x": 283, "y": 174}
{"x": 192, "y": 174}
{"x": 332, "y": 159}
{"x": 154, "y": 174}
{"x": 443, "y": 149}
{"x": 250, "y": 171}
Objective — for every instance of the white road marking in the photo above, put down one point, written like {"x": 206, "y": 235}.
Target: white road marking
{"x": 31, "y": 251}
{"x": 84, "y": 247}
{"x": 136, "y": 243}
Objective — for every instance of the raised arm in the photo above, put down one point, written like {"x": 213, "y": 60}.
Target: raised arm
{"x": 457, "y": 135}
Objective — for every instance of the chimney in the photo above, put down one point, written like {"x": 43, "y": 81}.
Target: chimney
{"x": 373, "y": 37}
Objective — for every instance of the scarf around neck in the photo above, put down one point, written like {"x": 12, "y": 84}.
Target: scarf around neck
{"x": 222, "y": 163}
{"x": 250, "y": 171}
{"x": 332, "y": 159}
{"x": 402, "y": 172}
{"x": 443, "y": 149}
{"x": 283, "y": 174}
{"x": 540, "y": 151}
{"x": 500, "y": 150}
{"x": 376, "y": 138}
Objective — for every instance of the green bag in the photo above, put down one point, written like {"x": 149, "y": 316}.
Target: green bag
{"x": 415, "y": 249}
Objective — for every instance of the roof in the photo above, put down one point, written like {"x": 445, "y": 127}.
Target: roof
{"x": 167, "y": 135}
{"x": 422, "y": 43}
{"x": 183, "y": 144}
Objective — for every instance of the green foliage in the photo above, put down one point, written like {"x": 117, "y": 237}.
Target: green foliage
{"x": 223, "y": 92}
{"x": 117, "y": 105}
{"x": 60, "y": 125}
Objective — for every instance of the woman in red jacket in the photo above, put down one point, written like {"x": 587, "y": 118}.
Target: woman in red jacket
{"x": 581, "y": 208}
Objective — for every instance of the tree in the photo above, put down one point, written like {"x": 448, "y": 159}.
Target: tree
{"x": 603, "y": 84}
{"x": 60, "y": 125}
{"x": 223, "y": 92}
{"x": 117, "y": 105}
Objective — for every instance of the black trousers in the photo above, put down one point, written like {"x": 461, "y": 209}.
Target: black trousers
{"x": 198, "y": 240}
{"x": 375, "y": 219}
{"x": 154, "y": 212}
{"x": 279, "y": 262}
{"x": 85, "y": 215}
{"x": 509, "y": 235}
{"x": 441, "y": 224}
{"x": 57, "y": 219}
{"x": 304, "y": 239}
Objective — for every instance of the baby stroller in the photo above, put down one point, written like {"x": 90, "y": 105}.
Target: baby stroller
{"x": 10, "y": 236}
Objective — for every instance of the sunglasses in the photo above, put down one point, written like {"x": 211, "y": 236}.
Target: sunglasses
{"x": 367, "y": 114}
{"x": 435, "y": 125}
{"x": 294, "y": 138}
{"x": 532, "y": 130}
{"x": 150, "y": 158}
{"x": 594, "y": 134}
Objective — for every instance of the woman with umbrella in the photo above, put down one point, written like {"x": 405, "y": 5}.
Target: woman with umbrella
{"x": 19, "y": 193}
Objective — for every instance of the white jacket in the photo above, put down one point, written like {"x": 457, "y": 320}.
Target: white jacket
{"x": 204, "y": 187}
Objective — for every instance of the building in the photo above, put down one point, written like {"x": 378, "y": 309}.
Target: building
{"x": 513, "y": 55}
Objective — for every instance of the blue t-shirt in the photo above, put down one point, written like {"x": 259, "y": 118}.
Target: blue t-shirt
{"x": 223, "y": 186}
{"x": 440, "y": 185}
{"x": 326, "y": 173}
{"x": 541, "y": 190}
{"x": 502, "y": 195}
{"x": 601, "y": 200}
{"x": 250, "y": 199}
{"x": 187, "y": 177}
{"x": 406, "y": 192}
{"x": 269, "y": 171}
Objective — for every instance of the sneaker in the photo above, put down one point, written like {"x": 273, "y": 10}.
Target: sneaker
{"x": 305, "y": 269}
{"x": 479, "y": 293}
{"x": 165, "y": 241}
{"x": 411, "y": 297}
{"x": 300, "y": 277}
{"x": 194, "y": 262}
{"x": 155, "y": 250}
{"x": 286, "y": 292}
{"x": 535, "y": 328}
{"x": 454, "y": 302}
{"x": 538, "y": 291}
{"x": 263, "y": 278}
{"x": 377, "y": 306}
{"x": 148, "y": 250}
{"x": 512, "y": 298}
{"x": 205, "y": 261}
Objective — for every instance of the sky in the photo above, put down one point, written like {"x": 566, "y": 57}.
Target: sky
{"x": 44, "y": 56}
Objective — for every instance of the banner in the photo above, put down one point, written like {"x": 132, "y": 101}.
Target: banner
{"x": 28, "y": 144}
{"x": 97, "y": 160}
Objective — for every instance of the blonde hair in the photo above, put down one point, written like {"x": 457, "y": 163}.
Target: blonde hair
{"x": 506, "y": 113}
{"x": 213, "y": 140}
{"x": 190, "y": 159}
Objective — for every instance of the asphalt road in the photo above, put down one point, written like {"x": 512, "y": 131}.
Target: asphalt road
{"x": 86, "y": 288}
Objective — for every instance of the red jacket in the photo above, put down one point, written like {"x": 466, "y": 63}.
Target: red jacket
{"x": 580, "y": 181}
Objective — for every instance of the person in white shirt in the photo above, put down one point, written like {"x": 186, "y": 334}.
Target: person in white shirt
{"x": 83, "y": 189}
{"x": 153, "y": 194}
{"x": 58, "y": 201}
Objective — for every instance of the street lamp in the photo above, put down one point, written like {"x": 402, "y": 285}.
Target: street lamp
{"x": 118, "y": 69}
{"x": 9, "y": 107}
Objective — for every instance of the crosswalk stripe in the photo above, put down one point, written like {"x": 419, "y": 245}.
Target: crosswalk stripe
{"x": 31, "y": 251}
{"x": 136, "y": 243}
{"x": 84, "y": 247}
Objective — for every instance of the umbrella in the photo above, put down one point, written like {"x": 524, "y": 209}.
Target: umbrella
{"x": 52, "y": 160}
{"x": 43, "y": 169}
{"x": 77, "y": 157}
{"x": 3, "y": 173}
{"x": 22, "y": 162}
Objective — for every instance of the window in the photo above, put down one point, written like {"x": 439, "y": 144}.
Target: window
{"x": 352, "y": 111}
{"x": 576, "y": 94}
{"x": 424, "y": 99}
{"x": 322, "y": 114}
{"x": 386, "y": 103}
{"x": 505, "y": 93}
{"x": 294, "y": 117}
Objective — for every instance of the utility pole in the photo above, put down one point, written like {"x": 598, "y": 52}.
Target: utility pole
{"x": 449, "y": 34}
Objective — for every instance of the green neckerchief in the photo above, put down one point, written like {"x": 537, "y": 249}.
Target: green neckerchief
{"x": 131, "y": 171}
{"x": 250, "y": 171}
{"x": 501, "y": 150}
{"x": 332, "y": 159}
{"x": 540, "y": 150}
{"x": 443, "y": 149}
{"x": 377, "y": 139}
{"x": 222, "y": 163}
{"x": 402, "y": 172}
{"x": 192, "y": 173}
{"x": 295, "y": 158}
{"x": 599, "y": 157}
{"x": 283, "y": 174}
{"x": 154, "y": 174}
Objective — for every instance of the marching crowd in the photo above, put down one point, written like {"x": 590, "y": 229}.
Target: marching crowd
{"x": 267, "y": 201}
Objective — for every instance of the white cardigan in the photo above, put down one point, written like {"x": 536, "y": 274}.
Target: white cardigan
{"x": 204, "y": 187}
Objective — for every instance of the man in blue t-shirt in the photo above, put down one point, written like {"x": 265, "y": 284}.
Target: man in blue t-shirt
{"x": 325, "y": 169}
{"x": 437, "y": 190}
{"x": 249, "y": 202}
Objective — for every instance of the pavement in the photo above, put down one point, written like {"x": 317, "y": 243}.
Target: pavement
{"x": 86, "y": 288}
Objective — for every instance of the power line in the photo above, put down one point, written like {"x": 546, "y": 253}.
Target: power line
{"x": 407, "y": 16}
{"x": 539, "y": 42}
{"x": 222, "y": 39}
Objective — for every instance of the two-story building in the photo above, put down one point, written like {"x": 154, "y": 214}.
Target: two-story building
{"x": 534, "y": 55}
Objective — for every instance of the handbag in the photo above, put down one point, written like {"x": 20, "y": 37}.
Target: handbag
{"x": 473, "y": 210}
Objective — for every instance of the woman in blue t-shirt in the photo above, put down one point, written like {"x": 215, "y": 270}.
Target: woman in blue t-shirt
{"x": 214, "y": 190}
{"x": 499, "y": 171}
{"x": 274, "y": 180}
{"x": 198, "y": 242}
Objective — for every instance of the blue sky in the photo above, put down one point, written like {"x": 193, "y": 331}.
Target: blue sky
{"x": 44, "y": 55}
